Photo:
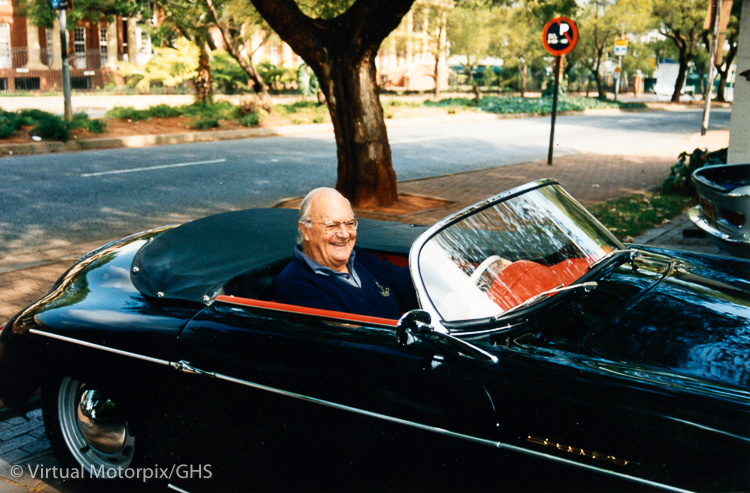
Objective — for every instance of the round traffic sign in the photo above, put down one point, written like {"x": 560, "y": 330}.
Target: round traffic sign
{"x": 560, "y": 36}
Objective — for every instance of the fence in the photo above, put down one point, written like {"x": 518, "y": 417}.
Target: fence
{"x": 19, "y": 75}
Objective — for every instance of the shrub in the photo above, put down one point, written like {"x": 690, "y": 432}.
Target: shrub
{"x": 51, "y": 127}
{"x": 204, "y": 122}
{"x": 227, "y": 74}
{"x": 127, "y": 113}
{"x": 81, "y": 120}
{"x": 448, "y": 102}
{"x": 276, "y": 77}
{"x": 680, "y": 179}
{"x": 251, "y": 119}
{"x": 164, "y": 111}
{"x": 222, "y": 110}
{"x": 539, "y": 106}
{"x": 255, "y": 103}
{"x": 9, "y": 123}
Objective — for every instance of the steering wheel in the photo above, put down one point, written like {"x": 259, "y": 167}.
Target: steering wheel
{"x": 482, "y": 268}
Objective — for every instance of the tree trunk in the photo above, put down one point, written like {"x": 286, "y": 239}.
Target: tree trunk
{"x": 724, "y": 74}
{"x": 132, "y": 36}
{"x": 365, "y": 172}
{"x": 341, "y": 51}
{"x": 523, "y": 73}
{"x": 436, "y": 75}
{"x": 681, "y": 75}
{"x": 599, "y": 84}
{"x": 204, "y": 92}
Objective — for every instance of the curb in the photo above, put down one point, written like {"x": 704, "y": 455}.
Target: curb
{"x": 161, "y": 139}
{"x": 136, "y": 141}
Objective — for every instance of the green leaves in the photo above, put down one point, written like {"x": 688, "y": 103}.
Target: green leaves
{"x": 47, "y": 126}
{"x": 538, "y": 106}
{"x": 680, "y": 179}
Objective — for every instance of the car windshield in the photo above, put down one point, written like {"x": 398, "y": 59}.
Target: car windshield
{"x": 510, "y": 251}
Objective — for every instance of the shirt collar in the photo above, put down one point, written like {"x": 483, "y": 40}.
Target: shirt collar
{"x": 327, "y": 271}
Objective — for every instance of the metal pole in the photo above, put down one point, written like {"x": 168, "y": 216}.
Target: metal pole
{"x": 554, "y": 109}
{"x": 68, "y": 107}
{"x": 618, "y": 73}
{"x": 711, "y": 71}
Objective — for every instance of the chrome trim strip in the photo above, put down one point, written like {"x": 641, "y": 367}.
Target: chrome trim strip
{"x": 185, "y": 367}
{"x": 103, "y": 348}
{"x": 170, "y": 486}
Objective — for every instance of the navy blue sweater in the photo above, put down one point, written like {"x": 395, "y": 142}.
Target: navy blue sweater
{"x": 386, "y": 290}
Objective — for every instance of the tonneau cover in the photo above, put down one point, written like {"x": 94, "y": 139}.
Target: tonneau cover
{"x": 192, "y": 261}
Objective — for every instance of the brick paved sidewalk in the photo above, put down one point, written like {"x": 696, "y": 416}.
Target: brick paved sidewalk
{"x": 24, "y": 453}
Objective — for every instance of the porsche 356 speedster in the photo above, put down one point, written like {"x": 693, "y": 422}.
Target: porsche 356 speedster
{"x": 540, "y": 337}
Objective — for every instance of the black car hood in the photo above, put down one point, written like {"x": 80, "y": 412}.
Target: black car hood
{"x": 693, "y": 320}
{"x": 192, "y": 261}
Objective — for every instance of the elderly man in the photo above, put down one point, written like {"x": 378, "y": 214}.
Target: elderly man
{"x": 329, "y": 272}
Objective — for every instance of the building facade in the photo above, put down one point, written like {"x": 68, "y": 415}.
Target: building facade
{"x": 31, "y": 56}
{"x": 412, "y": 58}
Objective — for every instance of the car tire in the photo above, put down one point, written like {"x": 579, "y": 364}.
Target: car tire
{"x": 88, "y": 431}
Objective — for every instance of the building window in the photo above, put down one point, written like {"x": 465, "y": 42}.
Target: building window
{"x": 50, "y": 50}
{"x": 125, "y": 35}
{"x": 5, "y": 60}
{"x": 79, "y": 44}
{"x": 103, "y": 45}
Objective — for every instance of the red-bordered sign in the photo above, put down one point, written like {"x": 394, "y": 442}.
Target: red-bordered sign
{"x": 560, "y": 36}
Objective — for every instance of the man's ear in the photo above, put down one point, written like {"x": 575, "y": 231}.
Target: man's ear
{"x": 304, "y": 230}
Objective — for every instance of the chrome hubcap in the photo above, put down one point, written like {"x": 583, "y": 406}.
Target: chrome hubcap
{"x": 93, "y": 427}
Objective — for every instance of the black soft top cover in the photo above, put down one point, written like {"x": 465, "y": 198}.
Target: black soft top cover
{"x": 193, "y": 261}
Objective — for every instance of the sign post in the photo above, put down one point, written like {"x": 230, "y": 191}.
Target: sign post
{"x": 621, "y": 49}
{"x": 61, "y": 6}
{"x": 559, "y": 37}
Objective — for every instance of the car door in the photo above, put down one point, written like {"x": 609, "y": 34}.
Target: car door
{"x": 350, "y": 366}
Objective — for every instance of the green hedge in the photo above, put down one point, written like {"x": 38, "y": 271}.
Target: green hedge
{"x": 538, "y": 106}
{"x": 47, "y": 126}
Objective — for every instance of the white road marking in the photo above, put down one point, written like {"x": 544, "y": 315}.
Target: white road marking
{"x": 409, "y": 140}
{"x": 150, "y": 168}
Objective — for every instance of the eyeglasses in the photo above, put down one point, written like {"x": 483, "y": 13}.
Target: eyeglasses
{"x": 333, "y": 226}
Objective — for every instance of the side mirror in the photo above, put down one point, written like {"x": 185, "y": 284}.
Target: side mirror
{"x": 411, "y": 325}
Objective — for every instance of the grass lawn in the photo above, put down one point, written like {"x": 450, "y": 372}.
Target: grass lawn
{"x": 632, "y": 215}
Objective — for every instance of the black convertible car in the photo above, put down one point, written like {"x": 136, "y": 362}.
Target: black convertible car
{"x": 542, "y": 342}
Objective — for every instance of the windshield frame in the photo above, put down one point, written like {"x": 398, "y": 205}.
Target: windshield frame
{"x": 491, "y": 323}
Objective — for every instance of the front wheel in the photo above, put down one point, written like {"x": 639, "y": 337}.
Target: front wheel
{"x": 87, "y": 429}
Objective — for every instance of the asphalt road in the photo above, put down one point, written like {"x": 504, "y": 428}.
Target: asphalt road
{"x": 57, "y": 199}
